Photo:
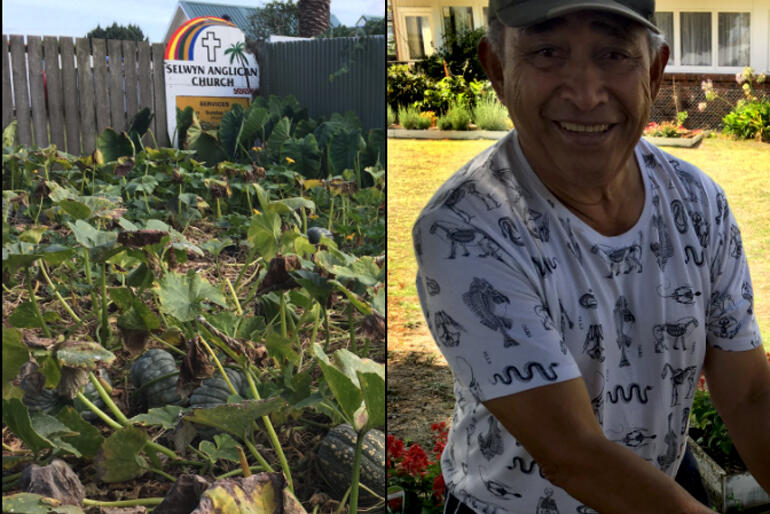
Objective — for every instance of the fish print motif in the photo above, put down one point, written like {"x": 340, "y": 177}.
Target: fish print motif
{"x": 497, "y": 488}
{"x": 447, "y": 328}
{"x": 661, "y": 245}
{"x": 593, "y": 343}
{"x": 482, "y": 299}
{"x": 491, "y": 444}
{"x": 624, "y": 318}
{"x": 636, "y": 438}
{"x": 682, "y": 294}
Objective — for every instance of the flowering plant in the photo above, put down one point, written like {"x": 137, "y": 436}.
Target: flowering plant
{"x": 411, "y": 470}
{"x": 668, "y": 129}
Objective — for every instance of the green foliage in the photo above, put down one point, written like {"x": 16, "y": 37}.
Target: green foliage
{"x": 410, "y": 118}
{"x": 749, "y": 120}
{"x": 458, "y": 117}
{"x": 372, "y": 27}
{"x": 490, "y": 114}
{"x": 706, "y": 420}
{"x": 460, "y": 53}
{"x": 128, "y": 32}
{"x": 391, "y": 116}
{"x": 275, "y": 17}
{"x": 405, "y": 87}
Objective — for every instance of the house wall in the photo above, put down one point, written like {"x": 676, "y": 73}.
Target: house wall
{"x": 176, "y": 22}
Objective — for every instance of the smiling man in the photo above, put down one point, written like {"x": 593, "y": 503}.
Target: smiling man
{"x": 578, "y": 280}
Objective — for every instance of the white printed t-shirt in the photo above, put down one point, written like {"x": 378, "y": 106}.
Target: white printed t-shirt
{"x": 519, "y": 292}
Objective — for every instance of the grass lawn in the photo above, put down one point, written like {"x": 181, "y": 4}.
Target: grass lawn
{"x": 417, "y": 167}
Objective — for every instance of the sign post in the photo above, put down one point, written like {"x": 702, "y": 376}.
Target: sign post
{"x": 207, "y": 68}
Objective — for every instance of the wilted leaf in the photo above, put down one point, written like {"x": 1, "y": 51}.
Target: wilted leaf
{"x": 120, "y": 460}
{"x": 30, "y": 503}
{"x": 235, "y": 418}
{"x": 373, "y": 388}
{"x": 84, "y": 355}
{"x": 277, "y": 277}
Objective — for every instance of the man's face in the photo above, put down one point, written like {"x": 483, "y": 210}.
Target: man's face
{"x": 579, "y": 90}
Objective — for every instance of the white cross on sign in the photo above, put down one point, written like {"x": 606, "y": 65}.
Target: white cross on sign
{"x": 211, "y": 43}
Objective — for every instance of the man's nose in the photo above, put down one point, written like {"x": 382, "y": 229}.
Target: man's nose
{"x": 583, "y": 85}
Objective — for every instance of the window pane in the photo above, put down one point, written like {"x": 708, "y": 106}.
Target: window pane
{"x": 486, "y": 16}
{"x": 665, "y": 22}
{"x": 457, "y": 19}
{"x": 734, "y": 39}
{"x": 696, "y": 38}
{"x": 416, "y": 35}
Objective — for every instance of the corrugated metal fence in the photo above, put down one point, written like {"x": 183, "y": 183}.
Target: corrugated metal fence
{"x": 330, "y": 75}
{"x": 54, "y": 102}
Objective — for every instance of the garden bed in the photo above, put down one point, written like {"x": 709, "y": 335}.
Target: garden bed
{"x": 445, "y": 134}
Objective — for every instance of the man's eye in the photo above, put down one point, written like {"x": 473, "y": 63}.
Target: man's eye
{"x": 616, "y": 55}
{"x": 545, "y": 52}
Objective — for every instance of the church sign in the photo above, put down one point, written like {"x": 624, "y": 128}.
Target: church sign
{"x": 199, "y": 72}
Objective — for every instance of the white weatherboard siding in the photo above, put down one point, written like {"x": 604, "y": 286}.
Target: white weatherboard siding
{"x": 431, "y": 28}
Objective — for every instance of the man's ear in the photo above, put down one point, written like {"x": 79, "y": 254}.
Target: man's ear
{"x": 657, "y": 67}
{"x": 492, "y": 65}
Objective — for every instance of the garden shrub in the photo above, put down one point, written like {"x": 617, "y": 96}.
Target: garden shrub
{"x": 460, "y": 52}
{"x": 458, "y": 117}
{"x": 391, "y": 116}
{"x": 490, "y": 114}
{"x": 410, "y": 118}
{"x": 749, "y": 120}
{"x": 405, "y": 87}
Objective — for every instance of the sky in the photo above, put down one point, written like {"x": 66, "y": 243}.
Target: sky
{"x": 77, "y": 17}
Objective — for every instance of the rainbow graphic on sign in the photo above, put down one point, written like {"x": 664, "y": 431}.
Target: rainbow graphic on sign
{"x": 180, "y": 46}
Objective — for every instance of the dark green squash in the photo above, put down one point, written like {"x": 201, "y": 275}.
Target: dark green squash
{"x": 334, "y": 462}
{"x": 155, "y": 374}
{"x": 45, "y": 401}
{"x": 214, "y": 391}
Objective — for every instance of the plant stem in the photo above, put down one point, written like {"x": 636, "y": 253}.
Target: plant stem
{"x": 262, "y": 462}
{"x": 168, "y": 345}
{"x": 179, "y": 202}
{"x": 352, "y": 329}
{"x": 218, "y": 364}
{"x": 272, "y": 435}
{"x": 122, "y": 419}
{"x": 326, "y": 327}
{"x": 331, "y": 212}
{"x": 248, "y": 199}
{"x": 104, "y": 330}
{"x": 163, "y": 474}
{"x": 246, "y": 265}
{"x": 284, "y": 331}
{"x": 235, "y": 297}
{"x": 99, "y": 412}
{"x": 356, "y": 472}
{"x": 123, "y": 503}
{"x": 35, "y": 305}
{"x": 238, "y": 472}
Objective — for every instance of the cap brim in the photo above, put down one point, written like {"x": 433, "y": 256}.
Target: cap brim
{"x": 516, "y": 16}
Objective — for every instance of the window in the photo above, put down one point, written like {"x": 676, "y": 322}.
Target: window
{"x": 696, "y": 38}
{"x": 665, "y": 22}
{"x": 734, "y": 37}
{"x": 457, "y": 19}
{"x": 485, "y": 11}
{"x": 417, "y": 36}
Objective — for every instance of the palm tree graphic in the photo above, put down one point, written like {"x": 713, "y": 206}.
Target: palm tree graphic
{"x": 236, "y": 51}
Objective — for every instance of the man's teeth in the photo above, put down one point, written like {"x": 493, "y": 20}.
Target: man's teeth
{"x": 574, "y": 127}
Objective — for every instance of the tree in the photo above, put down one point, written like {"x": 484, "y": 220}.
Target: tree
{"x": 313, "y": 17}
{"x": 236, "y": 51}
{"x": 276, "y": 17}
{"x": 115, "y": 31}
{"x": 373, "y": 26}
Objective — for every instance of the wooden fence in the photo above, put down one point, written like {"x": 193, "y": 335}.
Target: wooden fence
{"x": 47, "y": 89}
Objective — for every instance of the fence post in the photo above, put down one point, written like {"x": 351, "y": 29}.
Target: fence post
{"x": 87, "y": 94}
{"x": 70, "y": 86}
{"x": 7, "y": 101}
{"x": 36, "y": 93}
{"x": 132, "y": 95}
{"x": 159, "y": 83}
{"x": 100, "y": 85}
{"x": 145, "y": 83}
{"x": 54, "y": 89}
{"x": 21, "y": 95}
{"x": 117, "y": 111}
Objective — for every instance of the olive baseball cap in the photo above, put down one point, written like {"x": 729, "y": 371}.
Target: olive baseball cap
{"x": 522, "y": 13}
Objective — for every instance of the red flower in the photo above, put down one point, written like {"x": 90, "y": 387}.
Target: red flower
{"x": 395, "y": 448}
{"x": 439, "y": 487}
{"x": 440, "y": 438}
{"x": 415, "y": 461}
{"x": 702, "y": 383}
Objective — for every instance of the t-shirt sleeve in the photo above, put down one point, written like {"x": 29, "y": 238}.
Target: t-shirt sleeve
{"x": 484, "y": 309}
{"x": 732, "y": 324}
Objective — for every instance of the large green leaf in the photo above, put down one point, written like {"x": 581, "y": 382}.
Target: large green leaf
{"x": 88, "y": 440}
{"x": 84, "y": 355}
{"x": 112, "y": 145}
{"x": 166, "y": 417}
{"x": 91, "y": 238}
{"x": 317, "y": 286}
{"x": 235, "y": 418}
{"x": 253, "y": 126}
{"x": 31, "y": 503}
{"x": 280, "y": 133}
{"x": 206, "y": 146}
{"x": 376, "y": 147}
{"x": 25, "y": 316}
{"x": 364, "y": 270}
{"x": 136, "y": 315}
{"x": 184, "y": 119}
{"x": 139, "y": 125}
{"x": 224, "y": 447}
{"x": 305, "y": 154}
{"x": 77, "y": 210}
{"x": 264, "y": 233}
{"x": 344, "y": 147}
{"x": 121, "y": 460}
{"x": 19, "y": 255}
{"x": 373, "y": 389}
{"x": 15, "y": 354}
{"x": 16, "y": 418}
{"x": 182, "y": 296}
{"x": 344, "y": 388}
{"x": 229, "y": 128}
{"x": 53, "y": 430}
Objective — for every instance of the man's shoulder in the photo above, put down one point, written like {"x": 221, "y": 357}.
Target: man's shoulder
{"x": 665, "y": 166}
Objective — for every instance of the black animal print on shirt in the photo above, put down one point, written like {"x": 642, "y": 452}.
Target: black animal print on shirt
{"x": 510, "y": 230}
{"x": 468, "y": 192}
{"x": 528, "y": 374}
{"x": 491, "y": 444}
{"x": 448, "y": 330}
{"x": 621, "y": 260}
{"x": 482, "y": 299}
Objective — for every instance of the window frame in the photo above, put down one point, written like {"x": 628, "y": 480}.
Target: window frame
{"x": 403, "y": 39}
{"x": 674, "y": 62}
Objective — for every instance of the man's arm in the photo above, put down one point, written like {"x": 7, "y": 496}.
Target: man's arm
{"x": 739, "y": 383}
{"x": 557, "y": 426}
